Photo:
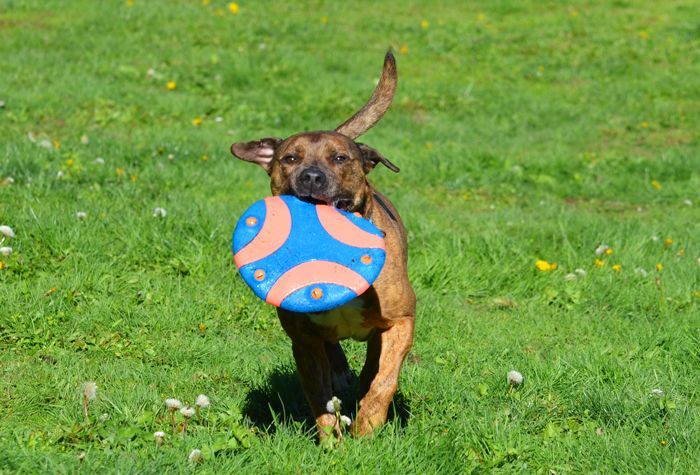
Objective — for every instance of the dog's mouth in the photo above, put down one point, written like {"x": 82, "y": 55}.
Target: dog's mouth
{"x": 338, "y": 202}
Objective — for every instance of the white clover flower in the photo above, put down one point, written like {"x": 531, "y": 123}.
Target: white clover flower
{"x": 173, "y": 404}
{"x": 159, "y": 212}
{"x": 641, "y": 272}
{"x": 187, "y": 412}
{"x": 46, "y": 143}
{"x": 345, "y": 420}
{"x": 170, "y": 156}
{"x": 2, "y": 104}
{"x": 333, "y": 405}
{"x": 580, "y": 272}
{"x": 602, "y": 249}
{"x": 60, "y": 174}
{"x": 81, "y": 215}
{"x": 100, "y": 161}
{"x": 202, "y": 401}
{"x": 657, "y": 392}
{"x": 8, "y": 181}
{"x": 515, "y": 378}
{"x": 5, "y": 251}
{"x": 195, "y": 456}
{"x": 151, "y": 72}
{"x": 655, "y": 238}
{"x": 7, "y": 231}
{"x": 104, "y": 417}
{"x": 218, "y": 119}
{"x": 90, "y": 390}
{"x": 569, "y": 277}
{"x": 687, "y": 202}
{"x": 84, "y": 139}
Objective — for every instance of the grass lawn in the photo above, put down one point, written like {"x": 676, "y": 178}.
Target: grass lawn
{"x": 525, "y": 131}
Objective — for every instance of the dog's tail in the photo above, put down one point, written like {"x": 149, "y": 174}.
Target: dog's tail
{"x": 378, "y": 104}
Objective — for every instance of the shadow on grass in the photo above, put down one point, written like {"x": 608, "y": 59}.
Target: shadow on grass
{"x": 280, "y": 398}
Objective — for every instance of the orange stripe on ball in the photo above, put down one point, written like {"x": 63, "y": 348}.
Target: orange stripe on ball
{"x": 315, "y": 272}
{"x": 275, "y": 231}
{"x": 345, "y": 231}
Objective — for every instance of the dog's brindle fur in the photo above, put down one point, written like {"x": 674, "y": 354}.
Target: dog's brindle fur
{"x": 331, "y": 167}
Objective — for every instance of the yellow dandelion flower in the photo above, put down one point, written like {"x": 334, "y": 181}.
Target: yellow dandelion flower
{"x": 644, "y": 124}
{"x": 599, "y": 263}
{"x": 466, "y": 196}
{"x": 204, "y": 158}
{"x": 403, "y": 49}
{"x": 663, "y": 443}
{"x": 205, "y": 2}
{"x": 617, "y": 267}
{"x": 324, "y": 20}
{"x": 70, "y": 162}
{"x": 608, "y": 251}
{"x": 429, "y": 145}
{"x": 656, "y": 185}
{"x": 56, "y": 144}
{"x": 573, "y": 13}
{"x": 197, "y": 121}
{"x": 233, "y": 8}
{"x": 129, "y": 3}
{"x": 659, "y": 267}
{"x": 644, "y": 34}
{"x": 544, "y": 266}
{"x": 120, "y": 171}
{"x": 2, "y": 265}
{"x": 171, "y": 85}
{"x": 424, "y": 24}
{"x": 668, "y": 242}
{"x": 133, "y": 178}
{"x": 481, "y": 17}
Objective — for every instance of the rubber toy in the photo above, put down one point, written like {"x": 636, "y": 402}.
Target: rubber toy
{"x": 306, "y": 257}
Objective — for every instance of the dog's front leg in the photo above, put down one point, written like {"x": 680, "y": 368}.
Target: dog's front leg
{"x": 380, "y": 376}
{"x": 313, "y": 368}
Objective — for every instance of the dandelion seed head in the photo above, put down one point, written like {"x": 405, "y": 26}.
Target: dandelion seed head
{"x": 90, "y": 390}
{"x": 515, "y": 378}
{"x": 159, "y": 212}
{"x": 7, "y": 231}
{"x": 81, "y": 215}
{"x": 570, "y": 277}
{"x": 173, "y": 404}
{"x": 202, "y": 401}
{"x": 100, "y": 161}
{"x": 581, "y": 272}
{"x": 195, "y": 456}
{"x": 334, "y": 405}
{"x": 602, "y": 249}
{"x": 60, "y": 174}
{"x": 345, "y": 421}
{"x": 187, "y": 411}
{"x": 641, "y": 272}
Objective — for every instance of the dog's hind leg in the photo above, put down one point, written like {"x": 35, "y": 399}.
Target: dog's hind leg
{"x": 341, "y": 376}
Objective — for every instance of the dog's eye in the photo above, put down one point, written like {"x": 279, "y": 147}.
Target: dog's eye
{"x": 340, "y": 159}
{"x": 289, "y": 159}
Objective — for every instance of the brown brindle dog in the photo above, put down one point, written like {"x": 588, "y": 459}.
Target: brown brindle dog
{"x": 330, "y": 167}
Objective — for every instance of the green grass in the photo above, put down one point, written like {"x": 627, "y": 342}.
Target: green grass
{"x": 524, "y": 130}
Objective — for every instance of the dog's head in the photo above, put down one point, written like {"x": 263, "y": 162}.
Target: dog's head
{"x": 327, "y": 166}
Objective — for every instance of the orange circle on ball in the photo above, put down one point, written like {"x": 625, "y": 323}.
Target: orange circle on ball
{"x": 259, "y": 274}
{"x": 366, "y": 259}
{"x": 251, "y": 221}
{"x": 316, "y": 293}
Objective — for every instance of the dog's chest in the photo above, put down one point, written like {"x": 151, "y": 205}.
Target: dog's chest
{"x": 347, "y": 321}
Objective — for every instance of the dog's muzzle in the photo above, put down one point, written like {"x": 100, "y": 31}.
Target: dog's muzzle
{"x": 312, "y": 181}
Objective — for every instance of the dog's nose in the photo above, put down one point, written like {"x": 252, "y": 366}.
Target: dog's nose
{"x": 313, "y": 178}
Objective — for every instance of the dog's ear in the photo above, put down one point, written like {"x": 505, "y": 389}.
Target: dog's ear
{"x": 370, "y": 157}
{"x": 257, "y": 151}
